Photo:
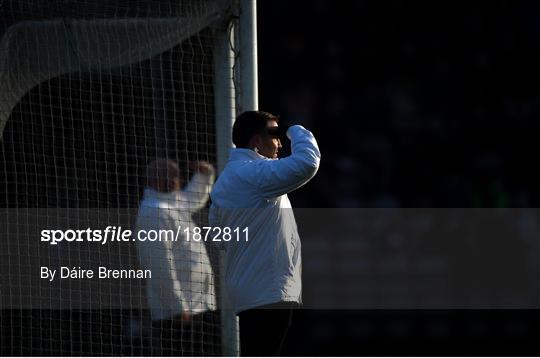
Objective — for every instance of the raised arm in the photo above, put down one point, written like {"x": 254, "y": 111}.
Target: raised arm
{"x": 197, "y": 190}
{"x": 277, "y": 177}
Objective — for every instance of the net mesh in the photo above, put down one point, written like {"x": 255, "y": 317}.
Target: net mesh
{"x": 92, "y": 92}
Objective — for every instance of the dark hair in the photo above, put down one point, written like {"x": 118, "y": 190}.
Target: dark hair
{"x": 249, "y": 124}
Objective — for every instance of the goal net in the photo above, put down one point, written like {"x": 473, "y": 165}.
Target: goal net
{"x": 92, "y": 92}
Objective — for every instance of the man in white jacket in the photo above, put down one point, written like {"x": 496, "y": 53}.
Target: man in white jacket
{"x": 263, "y": 271}
{"x": 180, "y": 293}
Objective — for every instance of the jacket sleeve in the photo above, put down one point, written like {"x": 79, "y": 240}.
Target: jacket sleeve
{"x": 277, "y": 177}
{"x": 197, "y": 191}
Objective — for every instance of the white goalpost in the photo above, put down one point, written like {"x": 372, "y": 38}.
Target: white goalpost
{"x": 92, "y": 92}
{"x": 244, "y": 36}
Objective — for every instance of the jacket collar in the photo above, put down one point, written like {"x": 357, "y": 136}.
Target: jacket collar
{"x": 244, "y": 154}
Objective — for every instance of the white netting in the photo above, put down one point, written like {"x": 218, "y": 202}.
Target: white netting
{"x": 92, "y": 92}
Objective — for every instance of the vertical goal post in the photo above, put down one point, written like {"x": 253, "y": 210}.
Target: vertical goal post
{"x": 243, "y": 35}
{"x": 92, "y": 91}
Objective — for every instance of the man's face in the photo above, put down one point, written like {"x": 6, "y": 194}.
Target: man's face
{"x": 269, "y": 145}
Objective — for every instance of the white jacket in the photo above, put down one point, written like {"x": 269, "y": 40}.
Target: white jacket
{"x": 182, "y": 277}
{"x": 252, "y": 192}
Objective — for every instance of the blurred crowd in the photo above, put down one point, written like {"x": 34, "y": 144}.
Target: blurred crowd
{"x": 414, "y": 105}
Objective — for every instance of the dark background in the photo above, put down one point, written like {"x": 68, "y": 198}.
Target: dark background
{"x": 414, "y": 104}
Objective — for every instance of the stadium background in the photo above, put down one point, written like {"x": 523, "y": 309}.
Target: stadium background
{"x": 414, "y": 104}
